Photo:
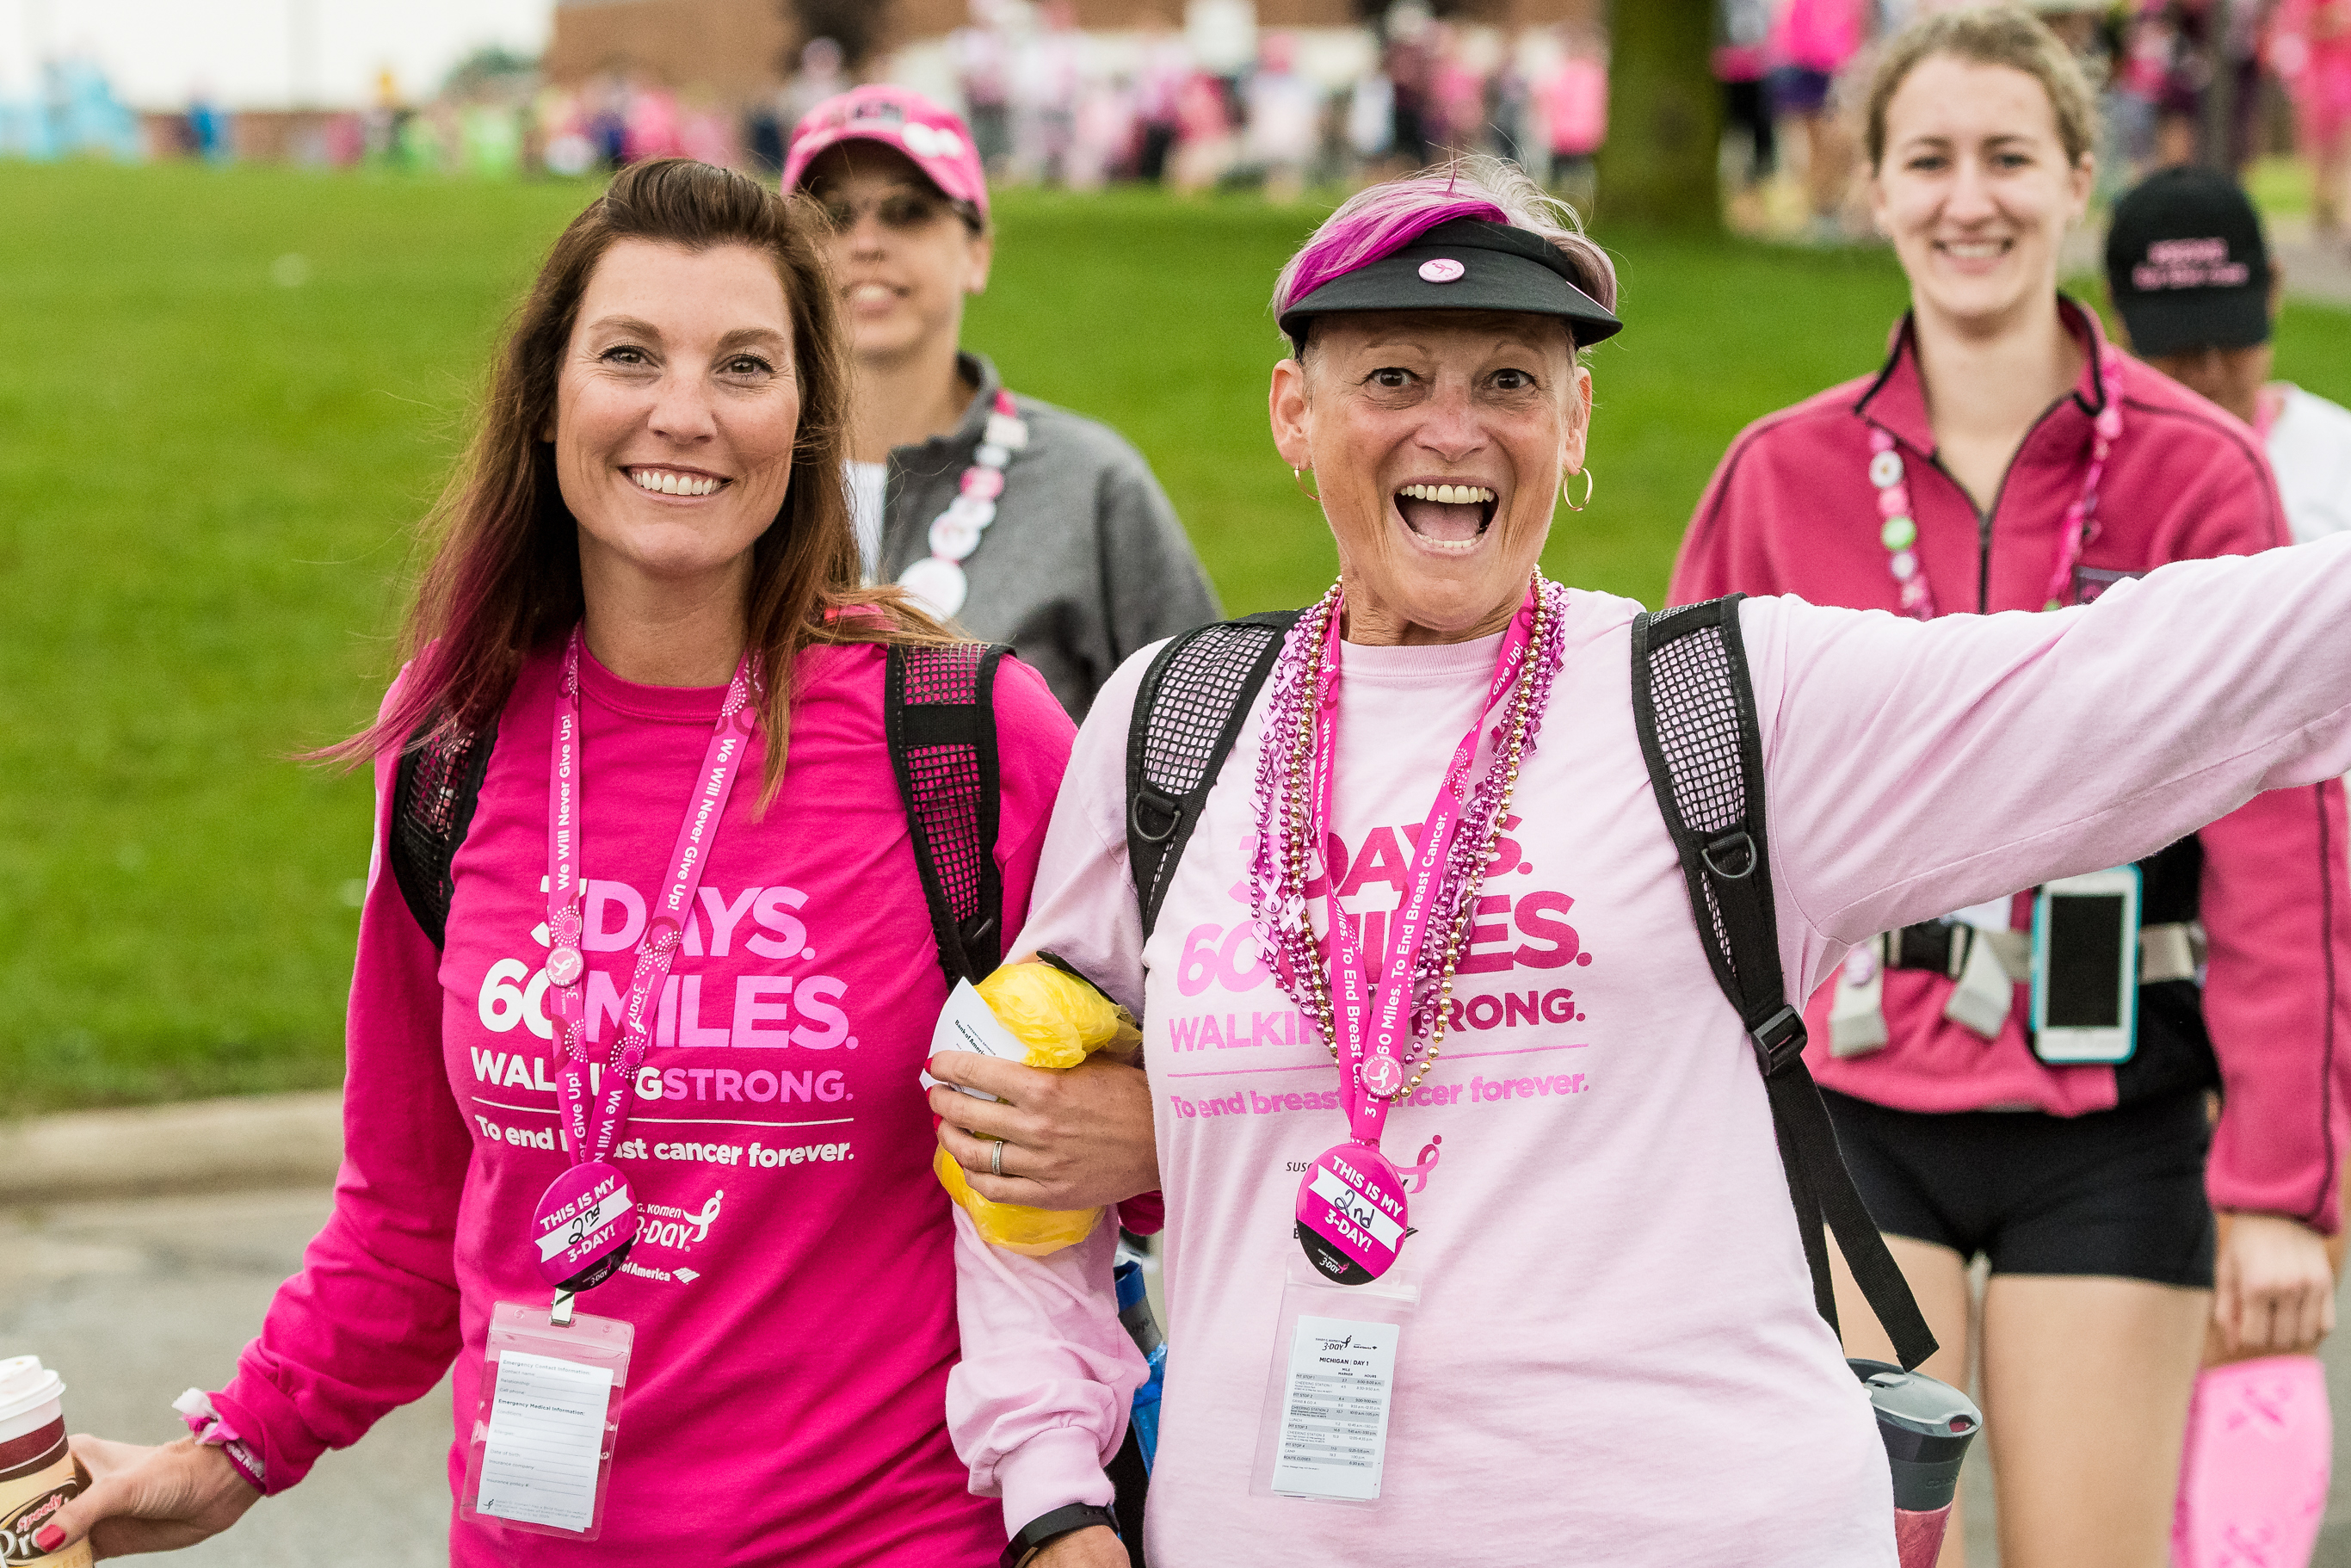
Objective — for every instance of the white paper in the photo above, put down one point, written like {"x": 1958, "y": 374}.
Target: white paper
{"x": 1335, "y": 1410}
{"x": 546, "y": 1440}
{"x": 967, "y": 1024}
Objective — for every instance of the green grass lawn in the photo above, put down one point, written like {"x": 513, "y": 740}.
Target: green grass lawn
{"x": 207, "y": 479}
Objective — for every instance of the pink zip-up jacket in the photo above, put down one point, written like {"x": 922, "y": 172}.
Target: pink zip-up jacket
{"x": 1793, "y": 510}
{"x": 1615, "y": 1362}
{"x": 792, "y": 1285}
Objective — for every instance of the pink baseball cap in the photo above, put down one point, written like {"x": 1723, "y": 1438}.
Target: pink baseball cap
{"x": 935, "y": 138}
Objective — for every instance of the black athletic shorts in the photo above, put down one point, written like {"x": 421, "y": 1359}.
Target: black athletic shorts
{"x": 2116, "y": 1191}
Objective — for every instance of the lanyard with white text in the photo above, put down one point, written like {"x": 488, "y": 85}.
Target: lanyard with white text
{"x": 1351, "y": 1205}
{"x": 586, "y": 1221}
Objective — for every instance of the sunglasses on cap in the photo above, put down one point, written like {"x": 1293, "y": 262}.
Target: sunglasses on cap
{"x": 902, "y": 211}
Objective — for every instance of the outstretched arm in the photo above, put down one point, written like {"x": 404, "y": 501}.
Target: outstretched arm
{"x": 1919, "y": 768}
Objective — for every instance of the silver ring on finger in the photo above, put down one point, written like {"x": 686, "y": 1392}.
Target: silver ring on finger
{"x": 996, "y": 1159}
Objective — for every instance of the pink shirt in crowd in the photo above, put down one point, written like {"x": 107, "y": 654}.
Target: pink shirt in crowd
{"x": 1793, "y": 510}
{"x": 1575, "y": 100}
{"x": 1818, "y": 35}
{"x": 1615, "y": 1360}
{"x": 792, "y": 1285}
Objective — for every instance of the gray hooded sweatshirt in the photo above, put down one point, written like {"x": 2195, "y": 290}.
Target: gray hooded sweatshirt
{"x": 1085, "y": 562}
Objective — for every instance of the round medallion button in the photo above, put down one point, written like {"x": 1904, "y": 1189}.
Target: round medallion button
{"x": 954, "y": 537}
{"x": 564, "y": 967}
{"x": 1441, "y": 269}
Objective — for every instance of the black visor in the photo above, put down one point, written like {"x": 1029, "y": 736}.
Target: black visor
{"x": 1467, "y": 263}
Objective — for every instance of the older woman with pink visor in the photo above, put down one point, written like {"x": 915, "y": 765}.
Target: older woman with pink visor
{"x": 1480, "y": 1246}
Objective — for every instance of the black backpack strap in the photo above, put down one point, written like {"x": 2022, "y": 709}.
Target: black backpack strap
{"x": 940, "y": 712}
{"x": 1188, "y": 711}
{"x": 433, "y": 796}
{"x": 1694, "y": 706}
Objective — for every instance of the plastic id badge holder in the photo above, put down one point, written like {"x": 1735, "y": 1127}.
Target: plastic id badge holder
{"x": 542, "y": 1453}
{"x": 2086, "y": 968}
{"x": 1330, "y": 1398}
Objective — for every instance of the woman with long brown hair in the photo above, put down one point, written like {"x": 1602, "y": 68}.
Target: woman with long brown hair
{"x": 615, "y": 1023}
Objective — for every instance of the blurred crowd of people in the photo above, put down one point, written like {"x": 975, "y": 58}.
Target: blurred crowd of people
{"x": 2180, "y": 81}
{"x": 1224, "y": 103}
{"x": 1219, "y": 103}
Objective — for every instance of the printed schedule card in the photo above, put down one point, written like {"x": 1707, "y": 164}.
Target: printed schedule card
{"x": 1334, "y": 1410}
{"x": 545, "y": 1441}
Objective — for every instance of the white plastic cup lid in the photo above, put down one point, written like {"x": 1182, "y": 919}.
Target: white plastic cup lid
{"x": 25, "y": 1384}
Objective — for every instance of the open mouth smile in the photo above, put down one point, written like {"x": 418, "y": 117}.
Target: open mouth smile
{"x": 676, "y": 481}
{"x": 1450, "y": 519}
{"x": 1975, "y": 251}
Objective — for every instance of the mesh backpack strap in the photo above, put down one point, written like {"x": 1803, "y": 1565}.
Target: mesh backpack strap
{"x": 1694, "y": 707}
{"x": 940, "y": 712}
{"x": 1187, "y": 713}
{"x": 434, "y": 792}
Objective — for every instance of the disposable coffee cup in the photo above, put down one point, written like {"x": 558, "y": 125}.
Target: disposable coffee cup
{"x": 1927, "y": 1427}
{"x": 37, "y": 1473}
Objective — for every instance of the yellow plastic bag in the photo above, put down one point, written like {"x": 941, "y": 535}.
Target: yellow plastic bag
{"x": 1015, "y": 1227}
{"x": 1060, "y": 1020}
{"x": 1060, "y": 1017}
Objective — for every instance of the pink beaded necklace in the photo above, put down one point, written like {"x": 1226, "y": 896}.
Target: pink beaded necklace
{"x": 1279, "y": 867}
{"x": 1898, "y": 531}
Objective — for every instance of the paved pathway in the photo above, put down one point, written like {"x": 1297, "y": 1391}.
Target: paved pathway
{"x": 134, "y": 1300}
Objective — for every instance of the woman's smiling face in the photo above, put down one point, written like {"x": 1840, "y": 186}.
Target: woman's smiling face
{"x": 1437, "y": 440}
{"x": 676, "y": 410}
{"x": 1976, "y": 189}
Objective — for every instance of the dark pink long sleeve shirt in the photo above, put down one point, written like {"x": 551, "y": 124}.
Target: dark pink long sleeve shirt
{"x": 793, "y": 1282}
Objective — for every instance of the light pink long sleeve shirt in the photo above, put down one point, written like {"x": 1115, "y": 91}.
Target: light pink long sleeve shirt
{"x": 1617, "y": 1359}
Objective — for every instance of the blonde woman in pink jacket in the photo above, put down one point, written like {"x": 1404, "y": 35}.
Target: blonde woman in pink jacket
{"x": 2007, "y": 457}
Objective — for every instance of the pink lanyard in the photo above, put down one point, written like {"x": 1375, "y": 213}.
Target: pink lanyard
{"x": 594, "y": 1112}
{"x": 1371, "y": 1070}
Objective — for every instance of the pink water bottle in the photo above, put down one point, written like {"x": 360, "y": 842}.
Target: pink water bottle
{"x": 1926, "y": 1427}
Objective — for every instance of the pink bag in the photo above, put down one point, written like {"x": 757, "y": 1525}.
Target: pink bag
{"x": 2252, "y": 1479}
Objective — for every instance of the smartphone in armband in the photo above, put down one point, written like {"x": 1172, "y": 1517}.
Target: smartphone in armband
{"x": 2086, "y": 968}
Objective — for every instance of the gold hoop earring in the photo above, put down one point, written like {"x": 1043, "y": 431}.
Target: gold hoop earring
{"x": 1298, "y": 477}
{"x": 1577, "y": 506}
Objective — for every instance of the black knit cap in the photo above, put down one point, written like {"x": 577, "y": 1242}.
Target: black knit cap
{"x": 1464, "y": 264}
{"x": 2187, "y": 266}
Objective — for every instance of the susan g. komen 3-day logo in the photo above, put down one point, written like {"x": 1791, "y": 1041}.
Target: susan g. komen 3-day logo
{"x": 675, "y": 1229}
